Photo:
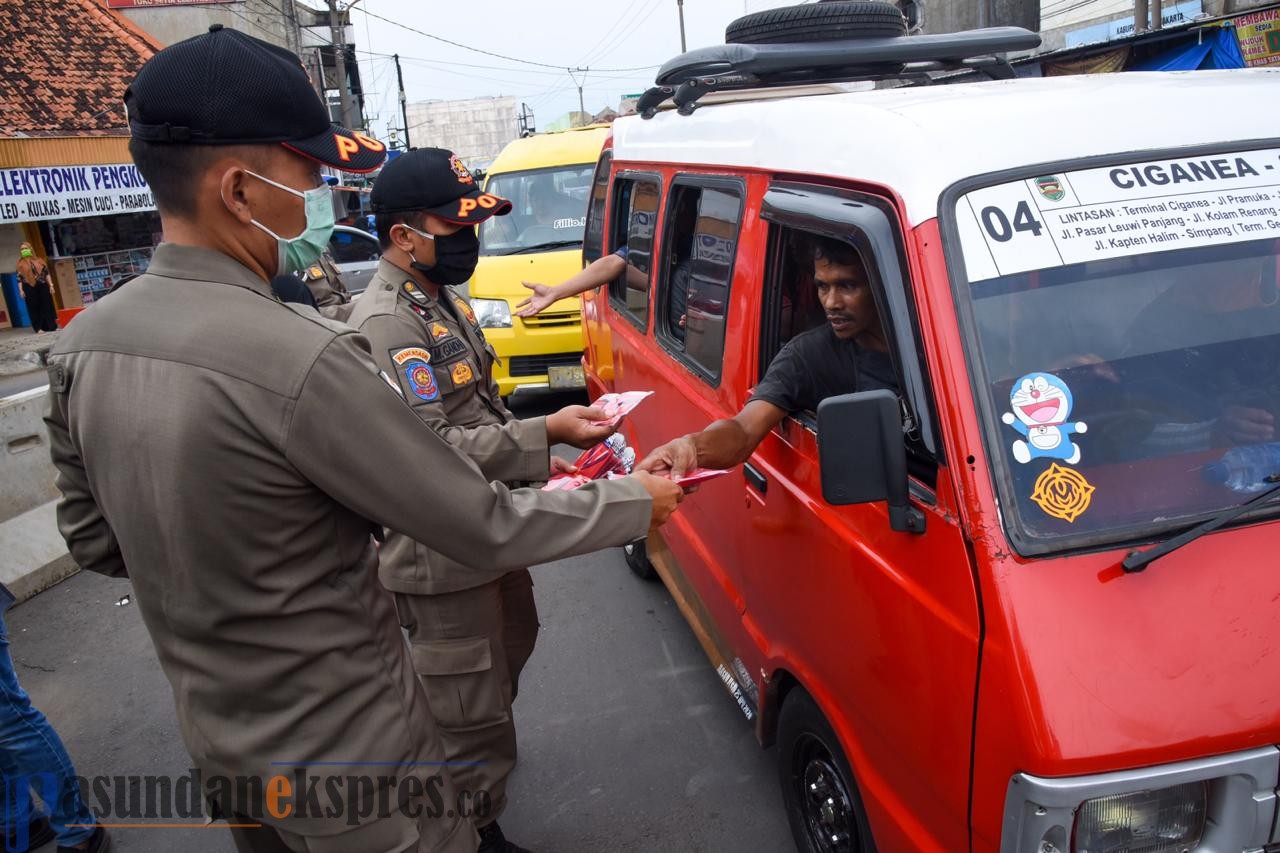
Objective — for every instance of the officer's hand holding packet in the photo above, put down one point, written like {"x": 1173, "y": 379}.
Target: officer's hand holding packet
{"x": 612, "y": 457}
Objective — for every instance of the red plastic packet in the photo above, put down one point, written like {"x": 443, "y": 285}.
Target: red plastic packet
{"x": 617, "y": 406}
{"x": 700, "y": 475}
{"x": 608, "y": 458}
{"x": 565, "y": 483}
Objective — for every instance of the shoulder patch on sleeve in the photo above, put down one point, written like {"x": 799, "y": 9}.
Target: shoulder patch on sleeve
{"x": 413, "y": 368}
{"x": 57, "y": 378}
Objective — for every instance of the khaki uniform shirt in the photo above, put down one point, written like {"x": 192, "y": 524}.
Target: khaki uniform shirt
{"x": 322, "y": 278}
{"x": 437, "y": 353}
{"x": 228, "y": 452}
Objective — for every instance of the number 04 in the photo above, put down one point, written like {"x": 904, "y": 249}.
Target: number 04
{"x": 997, "y": 223}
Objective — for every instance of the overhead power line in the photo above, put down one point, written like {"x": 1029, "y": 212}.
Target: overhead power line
{"x": 586, "y": 57}
{"x": 488, "y": 52}
{"x": 642, "y": 15}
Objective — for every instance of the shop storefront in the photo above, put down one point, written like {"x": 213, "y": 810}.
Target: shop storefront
{"x": 94, "y": 221}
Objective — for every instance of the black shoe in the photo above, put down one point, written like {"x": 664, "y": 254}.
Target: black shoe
{"x": 99, "y": 842}
{"x": 39, "y": 833}
{"x": 493, "y": 841}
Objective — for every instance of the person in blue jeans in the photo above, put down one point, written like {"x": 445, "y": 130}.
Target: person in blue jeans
{"x": 32, "y": 757}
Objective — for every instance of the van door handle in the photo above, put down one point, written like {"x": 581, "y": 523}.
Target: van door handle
{"x": 755, "y": 479}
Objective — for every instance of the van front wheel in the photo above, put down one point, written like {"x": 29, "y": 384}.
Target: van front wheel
{"x": 818, "y": 790}
{"x": 637, "y": 556}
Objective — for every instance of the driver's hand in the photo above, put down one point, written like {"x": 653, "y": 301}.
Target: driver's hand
{"x": 542, "y": 297}
{"x": 1241, "y": 425}
{"x": 673, "y": 459}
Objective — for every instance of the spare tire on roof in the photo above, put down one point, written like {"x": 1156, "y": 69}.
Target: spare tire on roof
{"x": 829, "y": 20}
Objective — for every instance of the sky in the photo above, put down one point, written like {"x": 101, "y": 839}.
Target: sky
{"x": 608, "y": 37}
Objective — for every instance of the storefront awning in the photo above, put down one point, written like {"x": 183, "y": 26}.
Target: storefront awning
{"x": 1213, "y": 49}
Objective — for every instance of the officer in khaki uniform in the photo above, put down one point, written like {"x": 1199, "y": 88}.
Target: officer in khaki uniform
{"x": 471, "y": 628}
{"x": 325, "y": 283}
{"x": 199, "y": 428}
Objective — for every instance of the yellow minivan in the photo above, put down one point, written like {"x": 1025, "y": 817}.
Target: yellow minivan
{"x": 547, "y": 177}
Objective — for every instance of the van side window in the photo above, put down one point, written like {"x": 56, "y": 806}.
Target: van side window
{"x": 804, "y": 269}
{"x": 700, "y": 242}
{"x": 635, "y": 220}
{"x": 593, "y": 239}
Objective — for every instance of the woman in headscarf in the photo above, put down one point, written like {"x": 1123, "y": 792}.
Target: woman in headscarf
{"x": 37, "y": 289}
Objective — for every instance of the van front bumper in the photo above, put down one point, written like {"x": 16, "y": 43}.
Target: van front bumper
{"x": 1239, "y": 803}
{"x": 527, "y": 351}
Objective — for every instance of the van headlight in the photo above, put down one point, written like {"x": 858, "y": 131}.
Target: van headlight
{"x": 1170, "y": 820}
{"x": 492, "y": 313}
{"x": 1217, "y": 804}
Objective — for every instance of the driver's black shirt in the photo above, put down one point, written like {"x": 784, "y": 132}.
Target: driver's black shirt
{"x": 815, "y": 365}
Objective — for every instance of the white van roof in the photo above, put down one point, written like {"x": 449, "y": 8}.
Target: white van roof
{"x": 918, "y": 141}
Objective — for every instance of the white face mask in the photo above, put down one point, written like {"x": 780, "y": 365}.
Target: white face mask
{"x": 300, "y": 252}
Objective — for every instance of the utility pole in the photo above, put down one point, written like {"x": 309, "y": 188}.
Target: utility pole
{"x": 340, "y": 63}
{"x": 680, "y": 8}
{"x": 1140, "y": 16}
{"x": 404, "y": 110}
{"x": 582, "y": 109}
{"x": 1157, "y": 15}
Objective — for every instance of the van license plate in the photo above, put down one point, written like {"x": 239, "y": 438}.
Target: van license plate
{"x": 566, "y": 377}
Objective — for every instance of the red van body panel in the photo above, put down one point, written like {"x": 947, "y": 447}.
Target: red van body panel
{"x": 942, "y": 660}
{"x": 791, "y": 583}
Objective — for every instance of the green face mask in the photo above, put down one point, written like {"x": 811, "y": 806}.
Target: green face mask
{"x": 300, "y": 252}
{"x": 27, "y": 253}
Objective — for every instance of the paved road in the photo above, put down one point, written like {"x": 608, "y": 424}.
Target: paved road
{"x": 16, "y": 384}
{"x": 628, "y": 742}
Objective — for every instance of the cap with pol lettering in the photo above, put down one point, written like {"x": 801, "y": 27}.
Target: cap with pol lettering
{"x": 434, "y": 181}
{"x": 227, "y": 88}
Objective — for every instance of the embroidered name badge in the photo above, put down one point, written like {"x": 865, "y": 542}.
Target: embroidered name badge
{"x": 446, "y": 350}
{"x": 413, "y": 364}
{"x": 461, "y": 374}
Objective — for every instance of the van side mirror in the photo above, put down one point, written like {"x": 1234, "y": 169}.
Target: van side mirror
{"x": 864, "y": 457}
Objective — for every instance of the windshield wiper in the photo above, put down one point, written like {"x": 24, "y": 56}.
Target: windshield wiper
{"x": 1136, "y": 561}
{"x": 539, "y": 247}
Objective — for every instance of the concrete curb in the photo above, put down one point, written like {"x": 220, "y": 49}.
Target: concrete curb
{"x": 34, "y": 554}
{"x": 48, "y": 575}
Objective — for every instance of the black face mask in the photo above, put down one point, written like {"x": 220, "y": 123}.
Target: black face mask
{"x": 456, "y": 258}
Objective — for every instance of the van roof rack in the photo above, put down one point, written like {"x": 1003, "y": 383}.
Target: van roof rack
{"x": 686, "y": 78}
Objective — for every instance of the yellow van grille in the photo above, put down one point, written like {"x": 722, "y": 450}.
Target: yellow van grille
{"x": 563, "y": 318}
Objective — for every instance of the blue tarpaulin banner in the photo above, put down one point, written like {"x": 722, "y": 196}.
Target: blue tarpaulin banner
{"x": 1218, "y": 49}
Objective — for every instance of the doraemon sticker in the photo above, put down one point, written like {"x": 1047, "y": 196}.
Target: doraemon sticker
{"x": 413, "y": 366}
{"x": 1041, "y": 404}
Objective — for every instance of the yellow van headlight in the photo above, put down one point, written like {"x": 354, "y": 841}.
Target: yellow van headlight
{"x": 1169, "y": 820}
{"x": 492, "y": 313}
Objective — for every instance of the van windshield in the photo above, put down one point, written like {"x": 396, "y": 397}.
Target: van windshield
{"x": 548, "y": 213}
{"x": 1126, "y": 329}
